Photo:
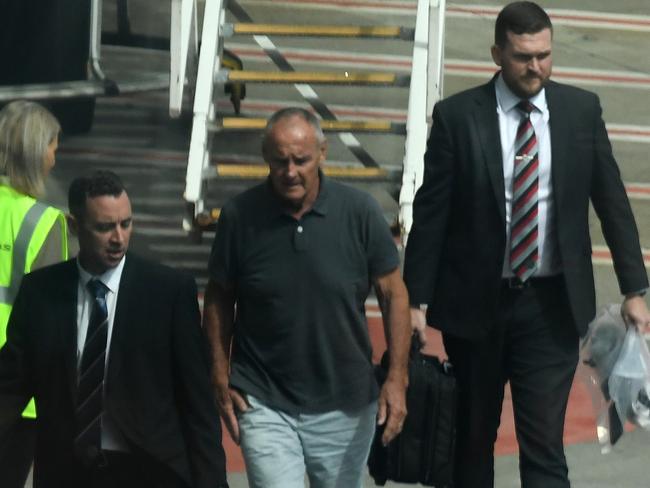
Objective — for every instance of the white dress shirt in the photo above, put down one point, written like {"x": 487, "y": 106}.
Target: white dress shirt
{"x": 111, "y": 439}
{"x": 509, "y": 120}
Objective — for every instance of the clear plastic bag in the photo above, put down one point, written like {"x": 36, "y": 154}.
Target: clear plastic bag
{"x": 629, "y": 383}
{"x": 616, "y": 368}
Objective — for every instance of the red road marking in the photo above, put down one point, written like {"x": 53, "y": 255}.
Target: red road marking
{"x": 634, "y": 21}
{"x": 398, "y": 115}
{"x": 559, "y": 73}
{"x": 629, "y": 132}
{"x": 601, "y": 252}
{"x": 614, "y": 20}
{"x": 632, "y": 188}
{"x": 450, "y": 66}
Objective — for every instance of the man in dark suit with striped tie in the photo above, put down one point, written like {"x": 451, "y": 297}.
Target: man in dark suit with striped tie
{"x": 500, "y": 255}
{"x": 111, "y": 348}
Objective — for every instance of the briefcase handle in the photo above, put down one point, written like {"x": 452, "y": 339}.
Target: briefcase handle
{"x": 416, "y": 353}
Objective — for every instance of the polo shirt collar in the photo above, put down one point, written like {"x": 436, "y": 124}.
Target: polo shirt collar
{"x": 320, "y": 206}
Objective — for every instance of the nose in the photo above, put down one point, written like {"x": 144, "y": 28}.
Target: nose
{"x": 291, "y": 169}
{"x": 533, "y": 65}
{"x": 117, "y": 236}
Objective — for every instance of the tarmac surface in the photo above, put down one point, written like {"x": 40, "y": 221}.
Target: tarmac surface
{"x": 599, "y": 45}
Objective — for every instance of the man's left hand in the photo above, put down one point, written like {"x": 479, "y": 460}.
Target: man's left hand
{"x": 392, "y": 407}
{"x": 635, "y": 312}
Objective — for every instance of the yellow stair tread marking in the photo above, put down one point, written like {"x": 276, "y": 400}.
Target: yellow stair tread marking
{"x": 261, "y": 171}
{"x": 318, "y": 30}
{"x": 345, "y": 77}
{"x": 329, "y": 125}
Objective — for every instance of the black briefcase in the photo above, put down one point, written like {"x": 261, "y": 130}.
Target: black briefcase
{"x": 424, "y": 451}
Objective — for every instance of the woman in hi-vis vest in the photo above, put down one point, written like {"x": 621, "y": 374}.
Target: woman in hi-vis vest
{"x": 32, "y": 235}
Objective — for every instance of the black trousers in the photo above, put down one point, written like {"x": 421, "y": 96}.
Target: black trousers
{"x": 17, "y": 453}
{"x": 533, "y": 344}
{"x": 124, "y": 470}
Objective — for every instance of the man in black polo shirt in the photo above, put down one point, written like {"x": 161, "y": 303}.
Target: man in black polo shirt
{"x": 296, "y": 257}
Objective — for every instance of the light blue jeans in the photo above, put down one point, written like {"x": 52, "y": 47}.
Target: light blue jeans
{"x": 331, "y": 447}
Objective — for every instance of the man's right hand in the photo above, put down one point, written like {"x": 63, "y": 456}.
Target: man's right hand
{"x": 229, "y": 402}
{"x": 419, "y": 323}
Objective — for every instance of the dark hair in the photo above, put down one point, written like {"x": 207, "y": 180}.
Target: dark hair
{"x": 520, "y": 18}
{"x": 288, "y": 113}
{"x": 99, "y": 183}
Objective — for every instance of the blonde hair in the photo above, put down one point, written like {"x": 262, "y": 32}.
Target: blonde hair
{"x": 26, "y": 131}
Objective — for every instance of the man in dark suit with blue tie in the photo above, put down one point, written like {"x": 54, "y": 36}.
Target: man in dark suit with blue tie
{"x": 111, "y": 348}
{"x": 499, "y": 254}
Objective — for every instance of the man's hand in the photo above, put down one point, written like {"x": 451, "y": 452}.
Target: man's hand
{"x": 419, "y": 324}
{"x": 635, "y": 312}
{"x": 229, "y": 402}
{"x": 392, "y": 407}
{"x": 393, "y": 300}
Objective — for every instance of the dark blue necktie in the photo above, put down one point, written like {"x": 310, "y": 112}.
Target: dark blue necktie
{"x": 90, "y": 392}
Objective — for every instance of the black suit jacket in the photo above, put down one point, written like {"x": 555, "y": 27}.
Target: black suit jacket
{"x": 157, "y": 381}
{"x": 455, "y": 251}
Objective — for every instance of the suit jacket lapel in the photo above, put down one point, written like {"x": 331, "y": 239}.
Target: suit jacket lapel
{"x": 123, "y": 310}
{"x": 65, "y": 309}
{"x": 560, "y": 142}
{"x": 487, "y": 127}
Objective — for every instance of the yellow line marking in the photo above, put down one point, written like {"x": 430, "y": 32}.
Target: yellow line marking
{"x": 345, "y": 78}
{"x": 261, "y": 171}
{"x": 318, "y": 30}
{"x": 234, "y": 123}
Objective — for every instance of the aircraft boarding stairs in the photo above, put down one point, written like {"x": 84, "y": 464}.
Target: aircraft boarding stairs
{"x": 199, "y": 72}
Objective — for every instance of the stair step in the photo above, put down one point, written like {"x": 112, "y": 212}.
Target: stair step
{"x": 258, "y": 171}
{"x": 207, "y": 219}
{"x": 318, "y": 77}
{"x": 250, "y": 123}
{"x": 385, "y": 32}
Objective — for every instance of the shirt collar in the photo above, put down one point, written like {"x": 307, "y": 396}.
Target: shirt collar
{"x": 276, "y": 208}
{"x": 506, "y": 100}
{"x": 110, "y": 278}
{"x": 321, "y": 203}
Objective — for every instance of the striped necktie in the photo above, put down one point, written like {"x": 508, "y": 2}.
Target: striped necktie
{"x": 90, "y": 390}
{"x": 523, "y": 228}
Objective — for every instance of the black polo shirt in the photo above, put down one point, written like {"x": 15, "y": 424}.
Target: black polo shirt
{"x": 301, "y": 339}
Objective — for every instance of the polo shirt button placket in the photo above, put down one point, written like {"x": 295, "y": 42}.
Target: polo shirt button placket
{"x": 299, "y": 239}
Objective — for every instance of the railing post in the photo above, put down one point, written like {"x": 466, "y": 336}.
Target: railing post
{"x": 425, "y": 90}
{"x": 209, "y": 60}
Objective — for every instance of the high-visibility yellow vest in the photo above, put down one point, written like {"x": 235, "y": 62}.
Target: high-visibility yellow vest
{"x": 24, "y": 226}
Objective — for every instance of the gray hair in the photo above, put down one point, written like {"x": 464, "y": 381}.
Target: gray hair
{"x": 288, "y": 113}
{"x": 26, "y": 131}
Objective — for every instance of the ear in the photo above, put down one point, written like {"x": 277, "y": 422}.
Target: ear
{"x": 496, "y": 54}
{"x": 73, "y": 224}
{"x": 323, "y": 152}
